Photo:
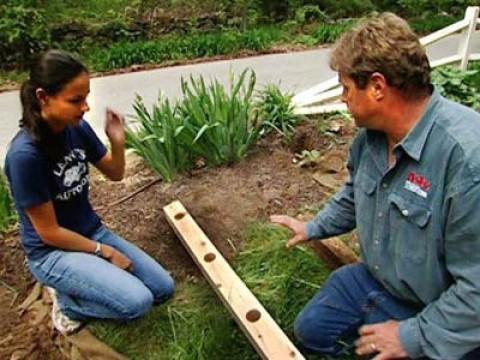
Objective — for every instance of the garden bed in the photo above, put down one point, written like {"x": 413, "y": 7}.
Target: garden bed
{"x": 224, "y": 201}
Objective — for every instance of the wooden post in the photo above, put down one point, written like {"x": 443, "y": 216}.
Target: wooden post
{"x": 257, "y": 324}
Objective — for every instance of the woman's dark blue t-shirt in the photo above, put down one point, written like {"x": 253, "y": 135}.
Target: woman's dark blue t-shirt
{"x": 35, "y": 180}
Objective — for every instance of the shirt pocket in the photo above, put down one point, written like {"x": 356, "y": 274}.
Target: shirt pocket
{"x": 408, "y": 223}
{"x": 366, "y": 183}
{"x": 365, "y": 188}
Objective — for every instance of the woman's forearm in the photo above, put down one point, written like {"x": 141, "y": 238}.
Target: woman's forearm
{"x": 65, "y": 239}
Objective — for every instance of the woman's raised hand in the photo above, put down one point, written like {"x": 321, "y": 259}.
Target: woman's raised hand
{"x": 114, "y": 127}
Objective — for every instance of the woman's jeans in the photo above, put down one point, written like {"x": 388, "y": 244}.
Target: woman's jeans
{"x": 350, "y": 298}
{"x": 91, "y": 287}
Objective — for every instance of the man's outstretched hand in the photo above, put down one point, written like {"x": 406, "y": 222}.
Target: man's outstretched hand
{"x": 298, "y": 227}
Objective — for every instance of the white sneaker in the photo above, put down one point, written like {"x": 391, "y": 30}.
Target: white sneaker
{"x": 61, "y": 322}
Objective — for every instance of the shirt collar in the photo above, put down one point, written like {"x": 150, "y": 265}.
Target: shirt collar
{"x": 416, "y": 138}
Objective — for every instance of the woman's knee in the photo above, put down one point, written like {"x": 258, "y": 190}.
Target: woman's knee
{"x": 165, "y": 290}
{"x": 136, "y": 304}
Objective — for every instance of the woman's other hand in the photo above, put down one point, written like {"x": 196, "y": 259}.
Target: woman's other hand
{"x": 116, "y": 258}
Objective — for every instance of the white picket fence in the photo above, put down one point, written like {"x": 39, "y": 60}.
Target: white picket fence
{"x": 318, "y": 99}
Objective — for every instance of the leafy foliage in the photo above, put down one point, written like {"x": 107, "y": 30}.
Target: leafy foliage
{"x": 457, "y": 85}
{"x": 192, "y": 46}
{"x": 7, "y": 212}
{"x": 210, "y": 123}
{"x": 276, "y": 111}
{"x": 219, "y": 126}
{"x": 330, "y": 32}
{"x": 22, "y": 33}
{"x": 157, "y": 138}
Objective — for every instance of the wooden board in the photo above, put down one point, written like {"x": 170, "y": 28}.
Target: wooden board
{"x": 257, "y": 324}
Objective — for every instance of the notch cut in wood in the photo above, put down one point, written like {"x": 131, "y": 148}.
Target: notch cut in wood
{"x": 257, "y": 324}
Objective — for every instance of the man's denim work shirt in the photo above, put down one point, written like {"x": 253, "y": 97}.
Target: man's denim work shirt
{"x": 419, "y": 224}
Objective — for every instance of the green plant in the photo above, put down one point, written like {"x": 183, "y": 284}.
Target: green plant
{"x": 276, "y": 111}
{"x": 458, "y": 85}
{"x": 308, "y": 13}
{"x": 157, "y": 138}
{"x": 219, "y": 126}
{"x": 192, "y": 46}
{"x": 23, "y": 32}
{"x": 330, "y": 32}
{"x": 432, "y": 23}
{"x": 7, "y": 212}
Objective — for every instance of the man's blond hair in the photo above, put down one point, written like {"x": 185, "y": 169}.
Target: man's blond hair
{"x": 385, "y": 44}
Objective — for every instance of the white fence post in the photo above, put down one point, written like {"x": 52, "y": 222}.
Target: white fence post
{"x": 318, "y": 99}
{"x": 464, "y": 49}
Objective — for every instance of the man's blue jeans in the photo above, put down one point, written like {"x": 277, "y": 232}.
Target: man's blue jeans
{"x": 91, "y": 287}
{"x": 350, "y": 298}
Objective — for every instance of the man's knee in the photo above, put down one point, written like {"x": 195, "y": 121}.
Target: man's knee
{"x": 348, "y": 273}
{"x": 311, "y": 336}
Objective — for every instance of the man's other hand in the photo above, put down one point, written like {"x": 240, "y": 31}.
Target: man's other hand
{"x": 381, "y": 339}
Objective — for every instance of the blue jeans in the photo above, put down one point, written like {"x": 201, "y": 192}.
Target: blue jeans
{"x": 350, "y": 298}
{"x": 91, "y": 287}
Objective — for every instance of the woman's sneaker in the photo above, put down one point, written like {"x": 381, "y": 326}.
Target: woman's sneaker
{"x": 60, "y": 321}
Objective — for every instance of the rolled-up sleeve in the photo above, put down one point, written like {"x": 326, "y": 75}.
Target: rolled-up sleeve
{"x": 338, "y": 216}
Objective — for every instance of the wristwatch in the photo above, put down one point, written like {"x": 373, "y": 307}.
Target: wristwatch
{"x": 98, "y": 249}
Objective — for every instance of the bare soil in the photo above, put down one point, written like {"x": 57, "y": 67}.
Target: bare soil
{"x": 222, "y": 200}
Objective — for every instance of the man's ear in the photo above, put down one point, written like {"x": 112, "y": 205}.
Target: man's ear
{"x": 42, "y": 96}
{"x": 378, "y": 86}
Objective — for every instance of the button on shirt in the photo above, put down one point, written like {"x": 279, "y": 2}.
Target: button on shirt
{"x": 419, "y": 224}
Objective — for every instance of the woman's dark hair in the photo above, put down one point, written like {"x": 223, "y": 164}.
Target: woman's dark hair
{"x": 52, "y": 71}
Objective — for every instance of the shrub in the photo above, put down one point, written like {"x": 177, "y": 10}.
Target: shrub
{"x": 276, "y": 111}
{"x": 431, "y": 23}
{"x": 219, "y": 126}
{"x": 308, "y": 13}
{"x": 169, "y": 48}
{"x": 457, "y": 85}
{"x": 210, "y": 123}
{"x": 157, "y": 138}
{"x": 330, "y": 32}
{"x": 23, "y": 33}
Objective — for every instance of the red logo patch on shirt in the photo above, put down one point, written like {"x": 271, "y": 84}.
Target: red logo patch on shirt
{"x": 417, "y": 184}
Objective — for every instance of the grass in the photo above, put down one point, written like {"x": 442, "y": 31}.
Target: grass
{"x": 195, "y": 325}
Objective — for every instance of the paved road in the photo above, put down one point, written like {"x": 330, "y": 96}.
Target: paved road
{"x": 293, "y": 72}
